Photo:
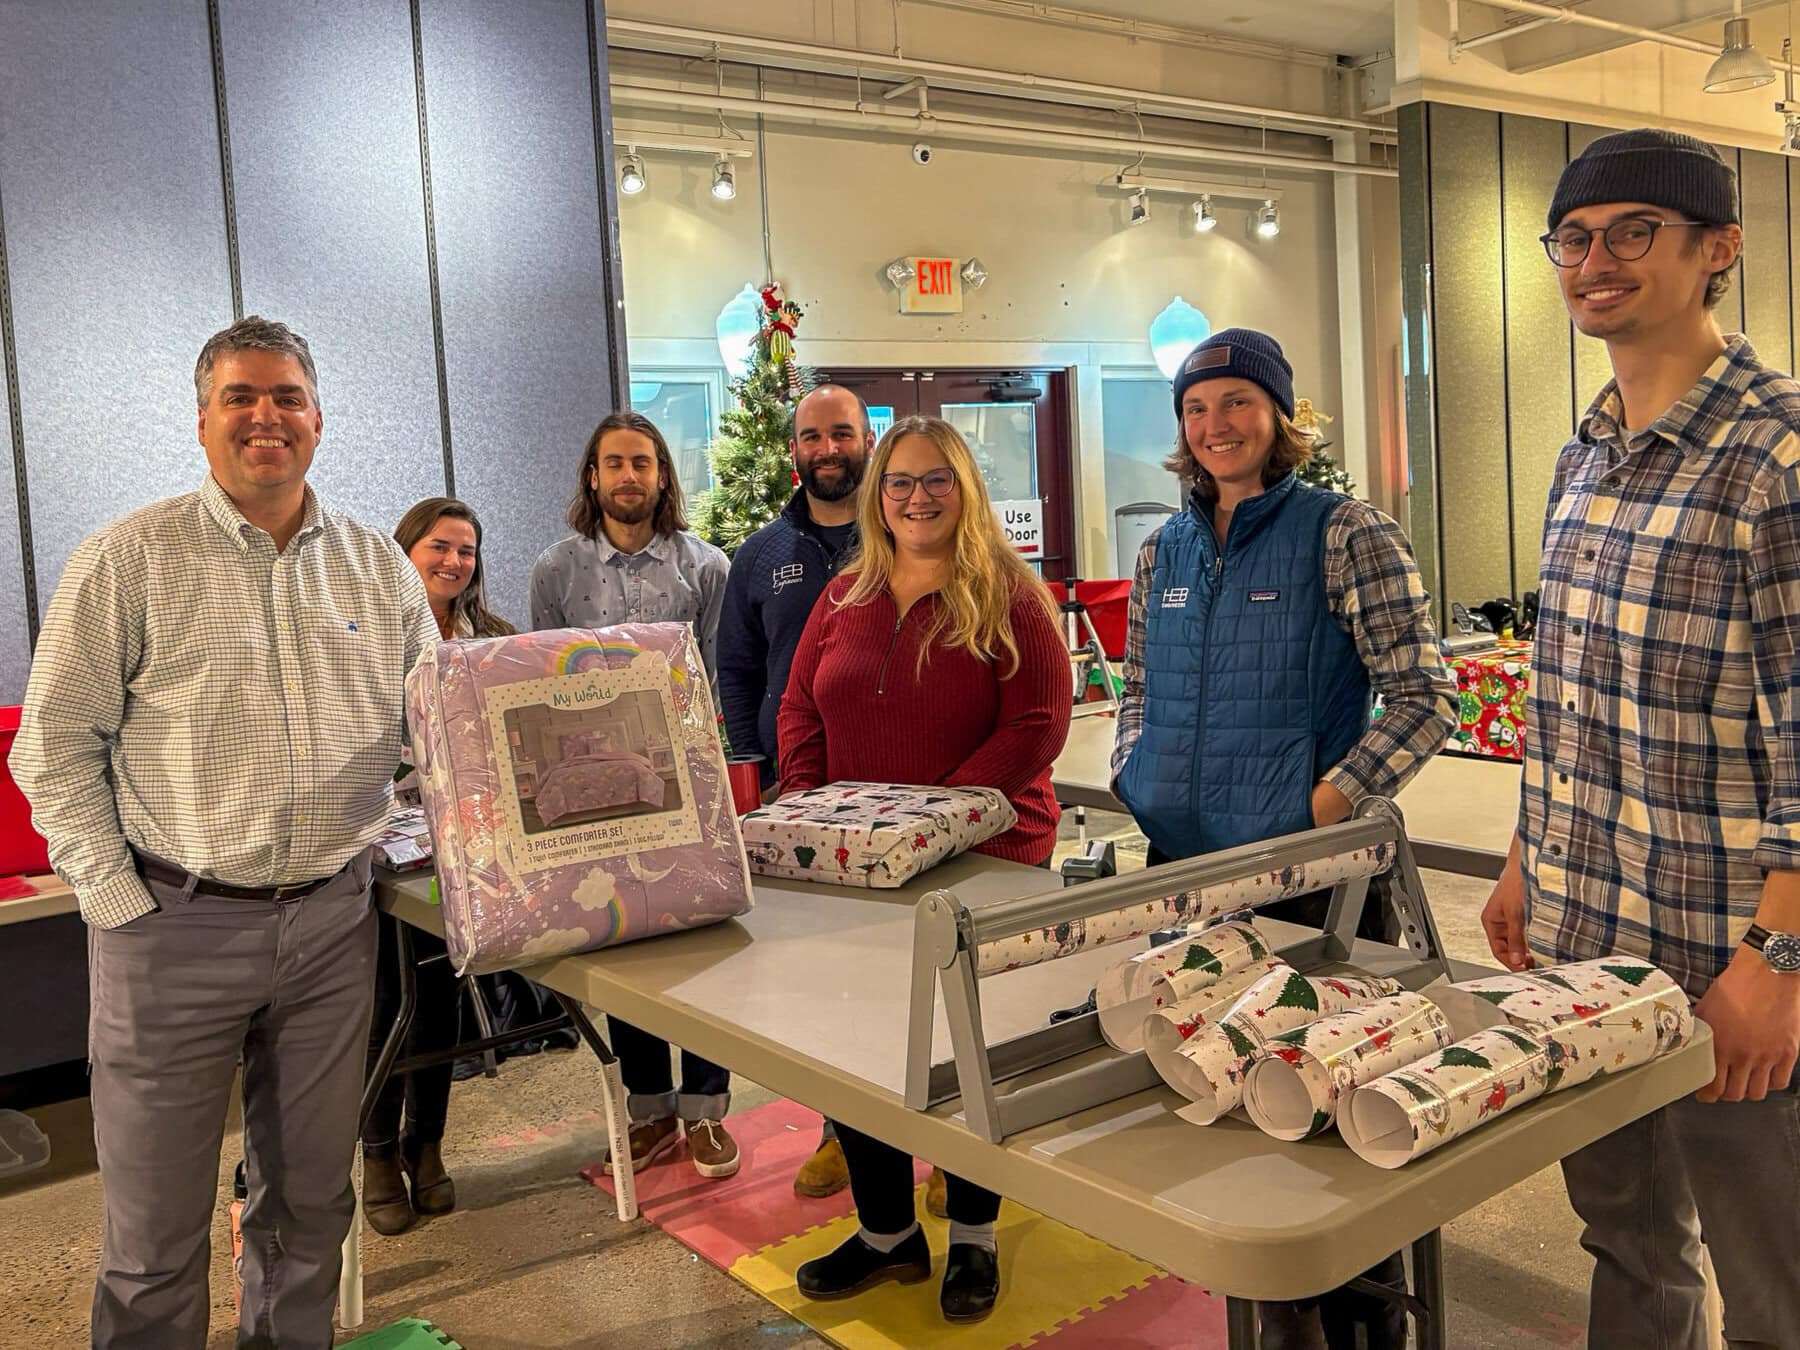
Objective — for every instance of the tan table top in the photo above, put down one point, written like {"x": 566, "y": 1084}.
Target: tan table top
{"x": 807, "y": 995}
{"x": 53, "y": 897}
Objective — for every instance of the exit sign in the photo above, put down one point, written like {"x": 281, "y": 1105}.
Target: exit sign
{"x": 935, "y": 288}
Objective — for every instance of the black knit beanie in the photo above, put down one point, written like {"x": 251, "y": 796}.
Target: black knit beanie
{"x": 1663, "y": 168}
{"x": 1245, "y": 353}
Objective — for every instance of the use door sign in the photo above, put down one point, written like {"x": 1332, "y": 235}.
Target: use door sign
{"x": 1024, "y": 525}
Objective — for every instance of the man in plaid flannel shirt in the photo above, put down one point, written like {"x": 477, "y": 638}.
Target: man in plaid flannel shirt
{"x": 1661, "y": 809}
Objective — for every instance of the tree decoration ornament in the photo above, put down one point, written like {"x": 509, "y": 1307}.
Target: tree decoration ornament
{"x": 1319, "y": 468}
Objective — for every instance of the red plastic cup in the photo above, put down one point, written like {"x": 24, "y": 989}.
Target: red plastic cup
{"x": 745, "y": 772}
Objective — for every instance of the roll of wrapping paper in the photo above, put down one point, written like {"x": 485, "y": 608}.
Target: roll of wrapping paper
{"x": 1164, "y": 1029}
{"x": 1594, "y": 1017}
{"x": 1411, "y": 1111}
{"x": 1294, "y": 1090}
{"x": 1132, "y": 989}
{"x": 1209, "y": 1067}
{"x": 1187, "y": 910}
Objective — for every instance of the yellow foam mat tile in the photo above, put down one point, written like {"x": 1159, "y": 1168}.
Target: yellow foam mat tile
{"x": 1050, "y": 1275}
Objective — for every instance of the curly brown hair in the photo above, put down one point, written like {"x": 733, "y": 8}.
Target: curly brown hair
{"x": 1292, "y": 448}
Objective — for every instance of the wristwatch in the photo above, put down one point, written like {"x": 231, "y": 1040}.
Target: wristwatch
{"x": 1780, "y": 950}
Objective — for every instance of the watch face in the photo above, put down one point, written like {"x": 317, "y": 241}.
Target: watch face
{"x": 1782, "y": 951}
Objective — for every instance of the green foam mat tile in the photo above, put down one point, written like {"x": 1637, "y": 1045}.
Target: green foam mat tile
{"x": 410, "y": 1333}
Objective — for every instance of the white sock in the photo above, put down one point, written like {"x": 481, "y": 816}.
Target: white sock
{"x": 975, "y": 1234}
{"x": 886, "y": 1242}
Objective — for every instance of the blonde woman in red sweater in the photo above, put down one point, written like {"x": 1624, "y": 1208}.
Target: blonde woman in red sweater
{"x": 935, "y": 657}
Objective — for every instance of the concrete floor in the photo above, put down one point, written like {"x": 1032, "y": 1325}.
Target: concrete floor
{"x": 533, "y": 1258}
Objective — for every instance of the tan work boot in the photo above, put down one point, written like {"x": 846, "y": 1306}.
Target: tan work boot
{"x": 384, "y": 1200}
{"x": 825, "y": 1173}
{"x": 937, "y": 1197}
{"x": 715, "y": 1153}
{"x": 649, "y": 1140}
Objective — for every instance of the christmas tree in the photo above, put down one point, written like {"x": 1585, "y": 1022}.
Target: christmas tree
{"x": 753, "y": 476}
{"x": 1320, "y": 469}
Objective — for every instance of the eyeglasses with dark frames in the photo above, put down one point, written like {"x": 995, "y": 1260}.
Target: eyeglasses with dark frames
{"x": 1627, "y": 240}
{"x": 899, "y": 487}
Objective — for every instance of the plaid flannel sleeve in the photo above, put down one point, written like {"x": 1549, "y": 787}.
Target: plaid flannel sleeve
{"x": 1773, "y": 581}
{"x": 1130, "y": 719}
{"x": 1373, "y": 585}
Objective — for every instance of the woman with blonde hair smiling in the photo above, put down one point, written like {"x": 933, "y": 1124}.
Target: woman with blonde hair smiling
{"x": 934, "y": 658}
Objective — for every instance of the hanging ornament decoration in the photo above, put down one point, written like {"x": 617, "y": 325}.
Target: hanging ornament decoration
{"x": 779, "y": 322}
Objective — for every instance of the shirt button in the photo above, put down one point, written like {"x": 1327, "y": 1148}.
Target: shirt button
{"x": 1589, "y": 555}
{"x": 1562, "y": 777}
{"x": 1556, "y": 850}
{"x": 1575, "y": 629}
{"x": 1570, "y": 705}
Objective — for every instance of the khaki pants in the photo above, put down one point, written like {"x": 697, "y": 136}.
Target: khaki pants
{"x": 175, "y": 997}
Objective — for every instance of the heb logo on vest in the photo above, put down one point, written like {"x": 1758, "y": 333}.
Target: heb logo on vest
{"x": 788, "y": 574}
{"x": 1176, "y": 597}
{"x": 1024, "y": 525}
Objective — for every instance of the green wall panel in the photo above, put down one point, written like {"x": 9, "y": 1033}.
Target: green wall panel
{"x": 1415, "y": 311}
{"x": 1592, "y": 366}
{"x": 1764, "y": 276}
{"x": 1470, "y": 354}
{"x": 1540, "y": 404}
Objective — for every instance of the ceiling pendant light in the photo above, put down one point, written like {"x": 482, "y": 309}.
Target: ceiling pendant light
{"x": 1204, "y": 219}
{"x": 1140, "y": 207}
{"x": 1268, "y": 220}
{"x": 724, "y": 185}
{"x": 1739, "y": 65}
{"x": 631, "y": 174}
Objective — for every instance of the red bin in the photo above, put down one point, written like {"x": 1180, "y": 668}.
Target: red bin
{"x": 23, "y": 851}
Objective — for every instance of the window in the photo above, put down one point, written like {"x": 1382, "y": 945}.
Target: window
{"x": 685, "y": 405}
{"x": 1137, "y": 417}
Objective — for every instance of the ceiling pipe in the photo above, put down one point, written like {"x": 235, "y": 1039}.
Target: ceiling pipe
{"x": 637, "y": 34}
{"x": 950, "y": 126}
{"x": 1556, "y": 14}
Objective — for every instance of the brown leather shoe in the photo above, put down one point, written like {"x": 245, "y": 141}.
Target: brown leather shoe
{"x": 433, "y": 1192}
{"x": 649, "y": 1140}
{"x": 384, "y": 1200}
{"x": 715, "y": 1153}
{"x": 825, "y": 1173}
{"x": 937, "y": 1198}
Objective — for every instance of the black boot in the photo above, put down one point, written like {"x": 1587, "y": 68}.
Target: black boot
{"x": 971, "y": 1283}
{"x": 855, "y": 1266}
{"x": 1383, "y": 1321}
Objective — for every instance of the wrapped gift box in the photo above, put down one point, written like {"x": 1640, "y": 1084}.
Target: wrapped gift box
{"x": 871, "y": 834}
{"x": 556, "y": 826}
{"x": 1491, "y": 690}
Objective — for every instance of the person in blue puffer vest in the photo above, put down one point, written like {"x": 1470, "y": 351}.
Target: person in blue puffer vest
{"x": 1263, "y": 619}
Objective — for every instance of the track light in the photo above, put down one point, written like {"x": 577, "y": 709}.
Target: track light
{"x": 1739, "y": 66}
{"x": 631, "y": 174}
{"x": 1204, "y": 219}
{"x": 1268, "y": 220}
{"x": 724, "y": 185}
{"x": 1140, "y": 207}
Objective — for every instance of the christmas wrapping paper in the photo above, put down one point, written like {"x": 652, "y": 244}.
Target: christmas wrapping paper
{"x": 1130, "y": 990}
{"x": 1210, "y": 1066}
{"x": 1293, "y": 1092}
{"x": 1411, "y": 1111}
{"x": 871, "y": 834}
{"x": 493, "y": 721}
{"x": 1492, "y": 687}
{"x": 1164, "y": 1029}
{"x": 1593, "y": 1017}
{"x": 1187, "y": 910}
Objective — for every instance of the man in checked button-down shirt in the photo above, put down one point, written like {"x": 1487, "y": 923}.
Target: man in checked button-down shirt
{"x": 1661, "y": 812}
{"x": 209, "y": 736}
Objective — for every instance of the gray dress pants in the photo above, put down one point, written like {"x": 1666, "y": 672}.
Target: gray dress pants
{"x": 175, "y": 997}
{"x": 1728, "y": 1173}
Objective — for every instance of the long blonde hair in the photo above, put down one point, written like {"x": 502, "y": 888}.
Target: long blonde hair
{"x": 985, "y": 575}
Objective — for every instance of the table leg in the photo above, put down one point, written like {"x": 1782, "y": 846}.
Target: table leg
{"x": 612, "y": 1101}
{"x": 1081, "y": 825}
{"x": 1240, "y": 1324}
{"x": 1428, "y": 1288}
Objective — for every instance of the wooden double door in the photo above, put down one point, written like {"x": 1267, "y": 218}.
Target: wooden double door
{"x": 1016, "y": 422}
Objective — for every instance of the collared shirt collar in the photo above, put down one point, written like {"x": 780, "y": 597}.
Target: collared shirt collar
{"x": 1694, "y": 421}
{"x": 225, "y": 514}
{"x": 661, "y": 547}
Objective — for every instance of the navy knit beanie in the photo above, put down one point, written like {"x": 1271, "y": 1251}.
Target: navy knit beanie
{"x": 1245, "y": 353}
{"x": 1663, "y": 168}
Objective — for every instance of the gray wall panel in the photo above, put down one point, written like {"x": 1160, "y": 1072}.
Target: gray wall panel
{"x": 519, "y": 235}
{"x": 1415, "y": 307}
{"x": 1730, "y": 311}
{"x": 1764, "y": 274}
{"x": 1470, "y": 342}
{"x": 1538, "y": 333}
{"x": 15, "y": 638}
{"x": 1593, "y": 368}
{"x": 331, "y": 232}
{"x": 109, "y": 165}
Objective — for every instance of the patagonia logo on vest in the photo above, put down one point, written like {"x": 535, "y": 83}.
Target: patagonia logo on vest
{"x": 1175, "y": 597}
{"x": 1262, "y": 597}
{"x": 790, "y": 572}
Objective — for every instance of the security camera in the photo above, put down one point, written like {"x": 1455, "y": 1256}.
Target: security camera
{"x": 921, "y": 153}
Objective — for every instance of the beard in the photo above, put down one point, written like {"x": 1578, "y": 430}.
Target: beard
{"x": 630, "y": 511}
{"x": 832, "y": 490}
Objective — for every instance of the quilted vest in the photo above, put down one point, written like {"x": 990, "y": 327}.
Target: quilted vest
{"x": 1251, "y": 689}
